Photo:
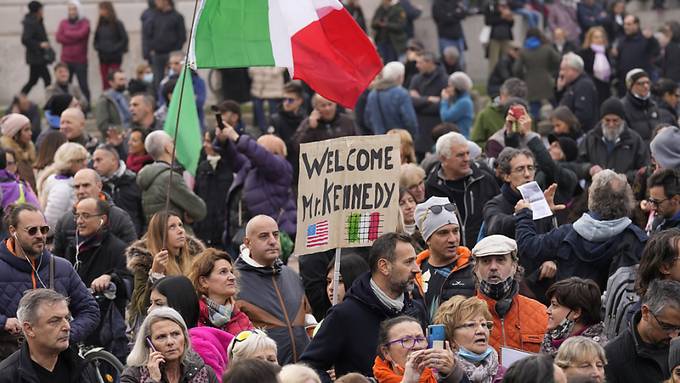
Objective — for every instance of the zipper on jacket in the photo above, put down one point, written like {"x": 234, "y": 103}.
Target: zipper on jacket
{"x": 503, "y": 331}
{"x": 287, "y": 318}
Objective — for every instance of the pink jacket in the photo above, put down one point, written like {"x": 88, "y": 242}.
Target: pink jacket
{"x": 211, "y": 344}
{"x": 74, "y": 39}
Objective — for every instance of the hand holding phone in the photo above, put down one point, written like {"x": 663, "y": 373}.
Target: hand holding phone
{"x": 436, "y": 336}
{"x": 155, "y": 363}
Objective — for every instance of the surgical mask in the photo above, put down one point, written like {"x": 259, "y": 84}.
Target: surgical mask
{"x": 496, "y": 291}
{"x": 564, "y": 328}
{"x": 473, "y": 356}
{"x": 171, "y": 72}
{"x": 148, "y": 78}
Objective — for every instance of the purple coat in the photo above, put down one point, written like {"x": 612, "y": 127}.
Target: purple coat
{"x": 266, "y": 179}
{"x": 12, "y": 190}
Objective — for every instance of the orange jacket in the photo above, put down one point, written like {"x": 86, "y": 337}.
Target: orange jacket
{"x": 464, "y": 255}
{"x": 383, "y": 373}
{"x": 522, "y": 328}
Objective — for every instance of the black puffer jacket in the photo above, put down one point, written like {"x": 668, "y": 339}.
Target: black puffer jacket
{"x": 19, "y": 368}
{"x": 447, "y": 15}
{"x": 32, "y": 36}
{"x": 111, "y": 42}
{"x": 126, "y": 194}
{"x": 165, "y": 32}
{"x": 211, "y": 185}
{"x": 642, "y": 115}
{"x": 430, "y": 84}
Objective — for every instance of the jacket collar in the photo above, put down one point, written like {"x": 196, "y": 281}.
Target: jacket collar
{"x": 68, "y": 356}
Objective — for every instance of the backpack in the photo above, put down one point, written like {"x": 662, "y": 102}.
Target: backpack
{"x": 619, "y": 297}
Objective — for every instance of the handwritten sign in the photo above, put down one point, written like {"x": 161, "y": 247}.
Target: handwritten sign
{"x": 348, "y": 193}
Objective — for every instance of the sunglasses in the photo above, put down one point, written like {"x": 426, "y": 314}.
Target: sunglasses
{"x": 33, "y": 230}
{"x": 436, "y": 209}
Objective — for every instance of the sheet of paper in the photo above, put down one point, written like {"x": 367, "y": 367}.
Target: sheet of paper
{"x": 533, "y": 193}
{"x": 511, "y": 355}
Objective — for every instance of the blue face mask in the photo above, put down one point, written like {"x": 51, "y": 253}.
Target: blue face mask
{"x": 472, "y": 356}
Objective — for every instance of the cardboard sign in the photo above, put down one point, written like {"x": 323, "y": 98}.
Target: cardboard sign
{"x": 348, "y": 192}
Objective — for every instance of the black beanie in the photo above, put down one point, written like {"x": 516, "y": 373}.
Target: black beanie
{"x": 612, "y": 106}
{"x": 58, "y": 103}
{"x": 34, "y": 6}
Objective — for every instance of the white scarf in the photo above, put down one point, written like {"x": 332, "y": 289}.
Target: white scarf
{"x": 601, "y": 68}
{"x": 394, "y": 304}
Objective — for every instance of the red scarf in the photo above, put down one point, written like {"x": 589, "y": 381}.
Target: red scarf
{"x": 383, "y": 372}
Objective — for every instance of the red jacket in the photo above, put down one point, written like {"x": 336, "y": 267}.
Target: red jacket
{"x": 239, "y": 320}
{"x": 524, "y": 325}
{"x": 74, "y": 40}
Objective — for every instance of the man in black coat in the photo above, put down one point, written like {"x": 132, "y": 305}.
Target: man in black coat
{"x": 465, "y": 184}
{"x": 163, "y": 32}
{"x": 290, "y": 116}
{"x": 640, "y": 354}
{"x": 425, "y": 90}
{"x": 642, "y": 113}
{"x": 120, "y": 184}
{"x": 34, "y": 38}
{"x": 381, "y": 294}
{"x": 634, "y": 50}
{"x": 664, "y": 195}
{"x": 577, "y": 91}
{"x": 45, "y": 356}
{"x": 447, "y": 15}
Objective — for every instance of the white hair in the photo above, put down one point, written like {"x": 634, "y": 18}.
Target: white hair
{"x": 258, "y": 340}
{"x": 155, "y": 142}
{"x": 573, "y": 61}
{"x": 393, "y": 71}
{"x": 445, "y": 142}
{"x": 460, "y": 81}
{"x": 298, "y": 373}
{"x": 139, "y": 356}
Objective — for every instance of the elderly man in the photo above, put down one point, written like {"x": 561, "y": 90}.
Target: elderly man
{"x": 445, "y": 266}
{"x": 119, "y": 183}
{"x": 466, "y": 185}
{"x": 603, "y": 240}
{"x": 519, "y": 322}
{"x": 664, "y": 196}
{"x": 388, "y": 105}
{"x": 425, "y": 90}
{"x": 641, "y": 353}
{"x": 45, "y": 356}
{"x": 612, "y": 144}
{"x": 88, "y": 184}
{"x": 25, "y": 264}
{"x": 271, "y": 294}
{"x": 141, "y": 113}
{"x": 153, "y": 180}
{"x": 72, "y": 125}
{"x": 577, "y": 91}
{"x": 642, "y": 113}
{"x": 381, "y": 294}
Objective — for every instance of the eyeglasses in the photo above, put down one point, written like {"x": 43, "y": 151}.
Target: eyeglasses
{"x": 289, "y": 100}
{"x": 473, "y": 325}
{"x": 436, "y": 209}
{"x": 33, "y": 230}
{"x": 522, "y": 169}
{"x": 408, "y": 342}
{"x": 86, "y": 216}
{"x": 665, "y": 327}
{"x": 655, "y": 202}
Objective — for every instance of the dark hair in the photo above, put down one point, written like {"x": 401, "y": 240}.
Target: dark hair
{"x": 112, "y": 74}
{"x": 181, "y": 296}
{"x": 252, "y": 371}
{"x": 515, "y": 87}
{"x": 662, "y": 293}
{"x": 203, "y": 265}
{"x": 577, "y": 293}
{"x": 109, "y": 148}
{"x": 443, "y": 128}
{"x": 294, "y": 87}
{"x": 661, "y": 250}
{"x": 669, "y": 179}
{"x": 384, "y": 248}
{"x": 565, "y": 115}
{"x": 112, "y": 18}
{"x": 12, "y": 212}
{"x": 52, "y": 142}
{"x": 386, "y": 326}
{"x": 228, "y": 106}
{"x": 3, "y": 157}
{"x": 664, "y": 86}
{"x": 60, "y": 65}
{"x": 512, "y": 101}
{"x": 532, "y": 369}
{"x": 428, "y": 56}
{"x": 351, "y": 267}
{"x": 168, "y": 88}
{"x": 508, "y": 154}
{"x": 103, "y": 206}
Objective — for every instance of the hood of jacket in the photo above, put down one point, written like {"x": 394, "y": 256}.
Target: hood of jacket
{"x": 139, "y": 258}
{"x": 594, "y": 241}
{"x": 595, "y": 230}
{"x": 246, "y": 263}
{"x": 149, "y": 173}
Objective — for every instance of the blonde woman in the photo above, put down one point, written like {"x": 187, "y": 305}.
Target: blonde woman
{"x": 298, "y": 373}
{"x": 150, "y": 260}
{"x": 583, "y": 357}
{"x": 408, "y": 153}
{"x": 251, "y": 344}
{"x": 596, "y": 61}
{"x": 55, "y": 185}
{"x": 412, "y": 178}
{"x": 468, "y": 325}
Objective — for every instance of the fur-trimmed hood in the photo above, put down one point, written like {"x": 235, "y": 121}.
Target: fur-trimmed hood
{"x": 139, "y": 258}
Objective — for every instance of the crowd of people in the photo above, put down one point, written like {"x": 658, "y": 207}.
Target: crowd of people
{"x": 107, "y": 243}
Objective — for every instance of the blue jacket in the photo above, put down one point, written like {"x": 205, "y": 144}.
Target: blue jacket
{"x": 390, "y": 108}
{"x": 460, "y": 111}
{"x": 16, "y": 277}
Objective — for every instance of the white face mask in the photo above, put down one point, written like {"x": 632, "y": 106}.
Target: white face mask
{"x": 148, "y": 78}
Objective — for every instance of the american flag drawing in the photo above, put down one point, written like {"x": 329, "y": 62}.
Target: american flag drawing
{"x": 317, "y": 234}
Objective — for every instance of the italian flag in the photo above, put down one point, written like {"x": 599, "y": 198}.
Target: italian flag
{"x": 317, "y": 40}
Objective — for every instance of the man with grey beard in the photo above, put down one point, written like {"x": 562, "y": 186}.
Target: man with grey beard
{"x": 612, "y": 144}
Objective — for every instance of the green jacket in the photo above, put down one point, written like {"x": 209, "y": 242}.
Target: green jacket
{"x": 153, "y": 181}
{"x": 106, "y": 114}
{"x": 394, "y": 30}
{"x": 488, "y": 121}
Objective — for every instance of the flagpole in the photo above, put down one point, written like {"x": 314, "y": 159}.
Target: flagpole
{"x": 336, "y": 276}
{"x": 179, "y": 111}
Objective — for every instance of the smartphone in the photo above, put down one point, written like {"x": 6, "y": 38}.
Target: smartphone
{"x": 220, "y": 122}
{"x": 150, "y": 343}
{"x": 436, "y": 336}
{"x": 516, "y": 111}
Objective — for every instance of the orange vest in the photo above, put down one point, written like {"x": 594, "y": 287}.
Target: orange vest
{"x": 522, "y": 328}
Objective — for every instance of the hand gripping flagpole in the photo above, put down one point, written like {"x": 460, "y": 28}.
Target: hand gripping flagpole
{"x": 179, "y": 111}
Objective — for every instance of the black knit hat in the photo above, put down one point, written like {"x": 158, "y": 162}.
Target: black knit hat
{"x": 34, "y": 6}
{"x": 612, "y": 106}
{"x": 567, "y": 144}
